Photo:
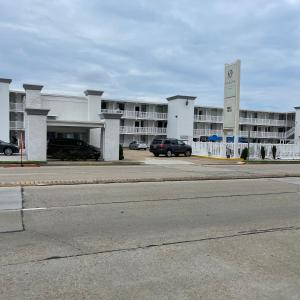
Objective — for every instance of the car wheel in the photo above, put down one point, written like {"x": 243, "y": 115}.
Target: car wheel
{"x": 187, "y": 153}
{"x": 169, "y": 153}
{"x": 8, "y": 151}
{"x": 156, "y": 154}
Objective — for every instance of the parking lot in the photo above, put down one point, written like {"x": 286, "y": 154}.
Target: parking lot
{"x": 146, "y": 156}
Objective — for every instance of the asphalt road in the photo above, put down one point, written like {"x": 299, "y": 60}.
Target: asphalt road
{"x": 236, "y": 239}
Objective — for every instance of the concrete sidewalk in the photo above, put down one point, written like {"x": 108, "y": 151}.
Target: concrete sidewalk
{"x": 73, "y": 175}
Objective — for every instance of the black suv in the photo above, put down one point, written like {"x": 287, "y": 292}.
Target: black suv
{"x": 8, "y": 148}
{"x": 169, "y": 147}
{"x": 71, "y": 149}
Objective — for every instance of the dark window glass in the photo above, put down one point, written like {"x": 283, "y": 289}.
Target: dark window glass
{"x": 157, "y": 142}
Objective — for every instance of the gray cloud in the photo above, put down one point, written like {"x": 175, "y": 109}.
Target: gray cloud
{"x": 154, "y": 49}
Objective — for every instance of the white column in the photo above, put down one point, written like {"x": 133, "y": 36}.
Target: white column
{"x": 4, "y": 109}
{"x": 35, "y": 124}
{"x": 181, "y": 117}
{"x": 297, "y": 125}
{"x": 94, "y": 109}
{"x": 111, "y": 136}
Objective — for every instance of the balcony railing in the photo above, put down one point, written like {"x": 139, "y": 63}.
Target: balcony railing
{"x": 131, "y": 114}
{"x": 207, "y": 132}
{"x": 143, "y": 130}
{"x": 16, "y": 125}
{"x": 250, "y": 121}
{"x": 208, "y": 118}
{"x": 267, "y": 122}
{"x": 253, "y": 134}
{"x": 16, "y": 107}
{"x": 262, "y": 134}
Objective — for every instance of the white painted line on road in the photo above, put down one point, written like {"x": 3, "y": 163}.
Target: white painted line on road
{"x": 167, "y": 162}
{"x": 35, "y": 208}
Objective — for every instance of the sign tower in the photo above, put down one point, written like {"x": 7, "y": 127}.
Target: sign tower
{"x": 232, "y": 103}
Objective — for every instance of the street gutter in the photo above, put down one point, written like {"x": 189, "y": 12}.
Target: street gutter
{"x": 147, "y": 179}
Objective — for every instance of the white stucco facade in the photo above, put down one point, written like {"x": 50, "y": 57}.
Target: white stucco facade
{"x": 181, "y": 117}
{"x": 35, "y": 124}
{"x": 35, "y": 135}
{"x": 4, "y": 109}
{"x": 178, "y": 117}
{"x": 297, "y": 125}
{"x": 68, "y": 108}
{"x": 93, "y": 105}
{"x": 111, "y": 136}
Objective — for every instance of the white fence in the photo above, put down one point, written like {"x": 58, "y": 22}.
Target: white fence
{"x": 284, "y": 151}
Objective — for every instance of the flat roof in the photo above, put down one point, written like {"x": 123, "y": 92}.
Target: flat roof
{"x": 153, "y": 102}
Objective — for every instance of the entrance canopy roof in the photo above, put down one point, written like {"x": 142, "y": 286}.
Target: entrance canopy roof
{"x": 86, "y": 125}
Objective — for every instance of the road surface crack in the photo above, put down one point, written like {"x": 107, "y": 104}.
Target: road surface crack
{"x": 230, "y": 236}
{"x": 37, "y": 209}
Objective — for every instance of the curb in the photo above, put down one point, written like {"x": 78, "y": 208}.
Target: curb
{"x": 55, "y": 164}
{"x": 218, "y": 158}
{"x": 139, "y": 180}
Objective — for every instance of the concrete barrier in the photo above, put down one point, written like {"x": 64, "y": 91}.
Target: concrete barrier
{"x": 10, "y": 209}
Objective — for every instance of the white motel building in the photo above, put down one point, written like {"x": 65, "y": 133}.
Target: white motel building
{"x": 93, "y": 118}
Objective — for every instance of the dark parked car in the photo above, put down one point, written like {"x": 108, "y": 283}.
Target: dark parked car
{"x": 72, "y": 149}
{"x": 8, "y": 148}
{"x": 169, "y": 147}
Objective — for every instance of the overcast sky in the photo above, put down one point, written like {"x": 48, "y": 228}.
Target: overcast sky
{"x": 152, "y": 49}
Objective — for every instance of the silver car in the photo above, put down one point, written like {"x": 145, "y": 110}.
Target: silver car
{"x": 138, "y": 146}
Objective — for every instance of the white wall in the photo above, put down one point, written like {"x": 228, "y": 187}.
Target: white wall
{"x": 4, "y": 111}
{"x": 297, "y": 125}
{"x": 94, "y": 108}
{"x": 33, "y": 99}
{"x": 36, "y": 137}
{"x": 180, "y": 118}
{"x": 111, "y": 139}
{"x": 66, "y": 108}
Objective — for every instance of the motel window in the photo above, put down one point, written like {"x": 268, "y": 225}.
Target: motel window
{"x": 121, "y": 106}
{"x": 103, "y": 105}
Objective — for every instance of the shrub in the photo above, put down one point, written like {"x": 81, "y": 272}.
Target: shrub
{"x": 121, "y": 153}
{"x": 245, "y": 154}
{"x": 262, "y": 152}
{"x": 274, "y": 150}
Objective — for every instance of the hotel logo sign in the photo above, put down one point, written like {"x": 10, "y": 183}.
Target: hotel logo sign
{"x": 232, "y": 96}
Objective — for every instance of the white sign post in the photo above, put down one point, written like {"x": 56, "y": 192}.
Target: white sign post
{"x": 232, "y": 103}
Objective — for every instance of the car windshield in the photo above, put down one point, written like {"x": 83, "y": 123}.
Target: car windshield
{"x": 181, "y": 143}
